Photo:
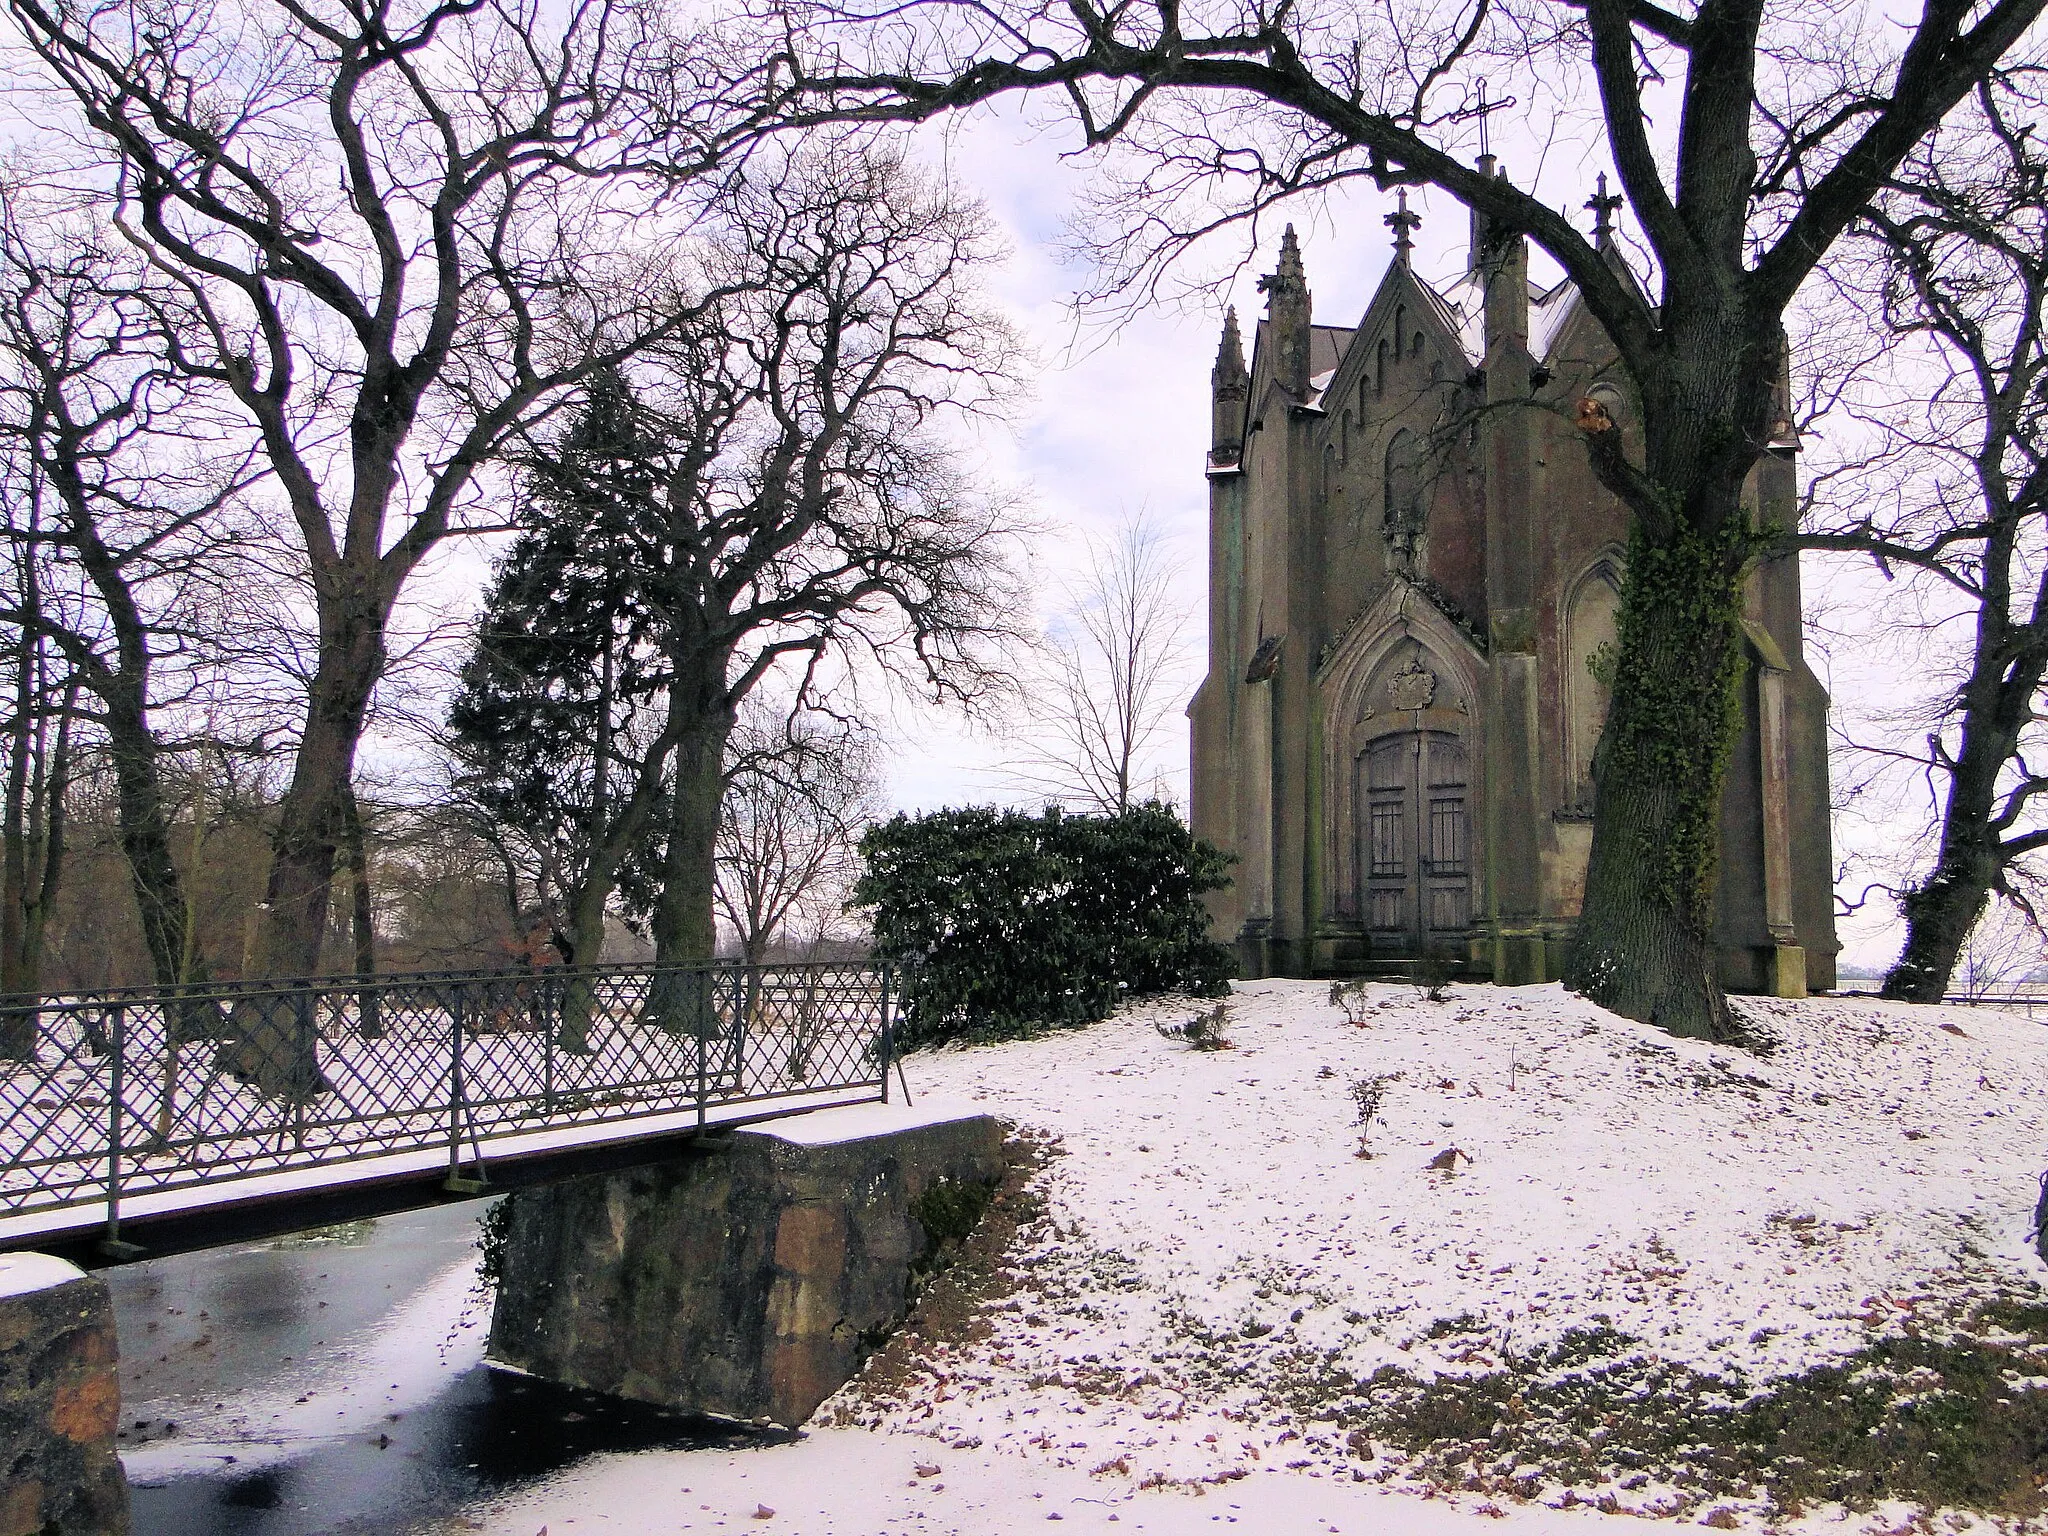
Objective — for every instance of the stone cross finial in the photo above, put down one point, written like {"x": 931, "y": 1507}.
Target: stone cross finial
{"x": 1604, "y": 208}
{"x": 1403, "y": 224}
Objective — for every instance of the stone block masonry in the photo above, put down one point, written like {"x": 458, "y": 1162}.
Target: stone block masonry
{"x": 747, "y": 1280}
{"x": 60, "y": 1403}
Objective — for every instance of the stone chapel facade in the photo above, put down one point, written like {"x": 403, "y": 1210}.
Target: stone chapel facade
{"x": 1413, "y": 577}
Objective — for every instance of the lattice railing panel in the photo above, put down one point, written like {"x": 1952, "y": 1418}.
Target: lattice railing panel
{"x": 108, "y": 1096}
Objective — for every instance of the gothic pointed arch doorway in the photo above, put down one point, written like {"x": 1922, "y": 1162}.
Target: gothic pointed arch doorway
{"x": 1403, "y": 784}
{"x": 1414, "y": 824}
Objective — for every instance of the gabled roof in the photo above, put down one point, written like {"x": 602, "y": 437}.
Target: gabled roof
{"x": 1461, "y": 305}
{"x": 1464, "y": 309}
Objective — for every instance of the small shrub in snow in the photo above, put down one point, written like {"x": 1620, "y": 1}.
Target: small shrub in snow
{"x": 1351, "y": 997}
{"x": 1203, "y": 1032}
{"x": 1367, "y": 1094}
{"x": 1432, "y": 976}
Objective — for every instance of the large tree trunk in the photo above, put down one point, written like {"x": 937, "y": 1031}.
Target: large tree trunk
{"x": 312, "y": 821}
{"x": 586, "y": 926}
{"x": 685, "y": 925}
{"x": 1940, "y": 913}
{"x": 276, "y": 1043}
{"x": 123, "y": 691}
{"x": 34, "y": 851}
{"x": 1943, "y": 909}
{"x": 623, "y": 822}
{"x": 174, "y": 952}
{"x": 14, "y": 898}
{"x": 1644, "y": 943}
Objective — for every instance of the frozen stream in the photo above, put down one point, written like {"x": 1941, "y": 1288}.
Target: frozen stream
{"x": 333, "y": 1382}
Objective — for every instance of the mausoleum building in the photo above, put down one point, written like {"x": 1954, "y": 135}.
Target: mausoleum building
{"x": 1414, "y": 578}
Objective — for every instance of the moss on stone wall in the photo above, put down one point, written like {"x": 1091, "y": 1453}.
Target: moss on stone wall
{"x": 948, "y": 1211}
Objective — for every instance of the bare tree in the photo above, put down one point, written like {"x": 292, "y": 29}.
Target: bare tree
{"x": 793, "y": 500}
{"x": 115, "y": 515}
{"x": 798, "y": 792}
{"x": 402, "y": 230}
{"x": 1786, "y": 125}
{"x": 1950, "y": 267}
{"x": 39, "y": 754}
{"x": 1111, "y": 684}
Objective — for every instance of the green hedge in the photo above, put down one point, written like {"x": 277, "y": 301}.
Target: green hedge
{"x": 1028, "y": 922}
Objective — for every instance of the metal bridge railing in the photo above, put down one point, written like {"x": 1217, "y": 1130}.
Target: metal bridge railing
{"x": 2031, "y": 1001}
{"x": 112, "y": 1095}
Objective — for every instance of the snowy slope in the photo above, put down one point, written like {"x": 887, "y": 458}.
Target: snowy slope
{"x": 1219, "y": 1259}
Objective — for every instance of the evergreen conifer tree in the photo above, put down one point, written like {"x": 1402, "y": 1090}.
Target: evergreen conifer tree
{"x": 559, "y": 683}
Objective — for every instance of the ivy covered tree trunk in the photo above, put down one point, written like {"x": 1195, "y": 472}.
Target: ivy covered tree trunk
{"x": 1644, "y": 945}
{"x": 1940, "y": 914}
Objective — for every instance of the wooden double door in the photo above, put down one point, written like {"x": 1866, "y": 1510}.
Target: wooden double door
{"x": 1415, "y": 841}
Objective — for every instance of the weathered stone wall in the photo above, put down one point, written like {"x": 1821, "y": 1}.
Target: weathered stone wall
{"x": 60, "y": 1403}
{"x": 748, "y": 1280}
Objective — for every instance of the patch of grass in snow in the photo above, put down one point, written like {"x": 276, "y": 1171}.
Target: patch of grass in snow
{"x": 948, "y": 1211}
{"x": 1943, "y": 1422}
{"x": 2029, "y": 1319}
{"x": 1752, "y": 1034}
{"x": 1464, "y": 1322}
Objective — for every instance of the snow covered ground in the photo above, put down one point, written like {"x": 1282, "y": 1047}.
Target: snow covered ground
{"x": 1222, "y": 1296}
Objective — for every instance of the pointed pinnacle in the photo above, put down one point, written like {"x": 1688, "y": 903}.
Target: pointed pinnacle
{"x": 1230, "y": 352}
{"x": 1290, "y": 255}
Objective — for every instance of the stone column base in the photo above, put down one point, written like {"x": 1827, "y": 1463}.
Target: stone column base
{"x": 1518, "y": 960}
{"x": 1785, "y": 970}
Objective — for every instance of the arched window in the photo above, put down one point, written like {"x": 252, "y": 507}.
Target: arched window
{"x": 1379, "y": 376}
{"x": 1591, "y": 617}
{"x": 1400, "y": 325}
{"x": 1415, "y": 347}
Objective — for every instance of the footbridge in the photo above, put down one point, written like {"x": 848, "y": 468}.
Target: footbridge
{"x": 154, "y": 1120}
